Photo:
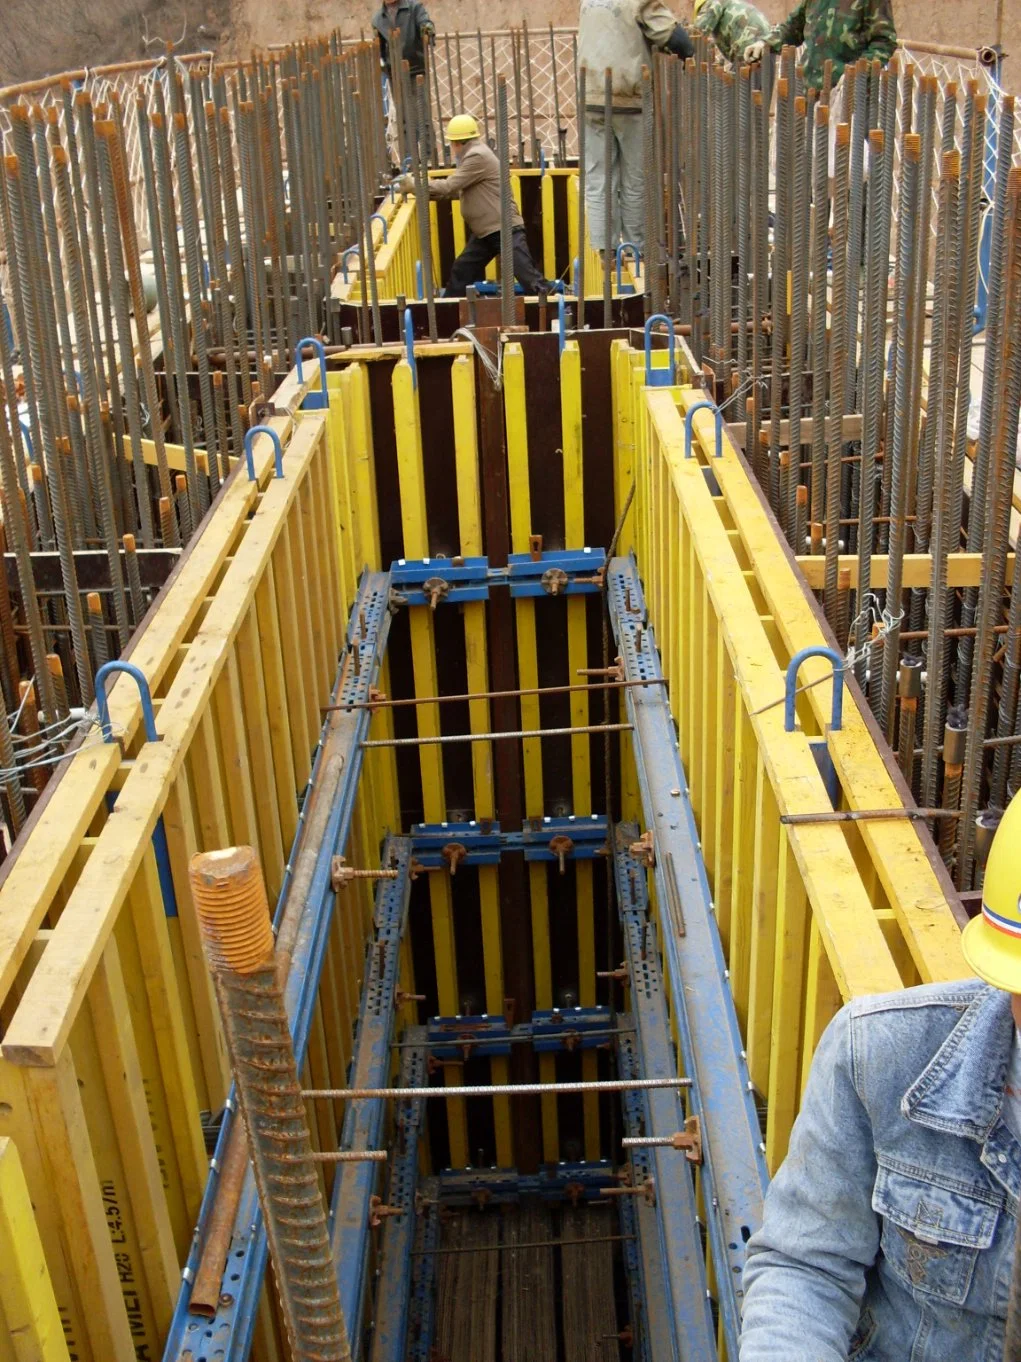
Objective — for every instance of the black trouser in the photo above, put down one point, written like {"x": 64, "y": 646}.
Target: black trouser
{"x": 470, "y": 265}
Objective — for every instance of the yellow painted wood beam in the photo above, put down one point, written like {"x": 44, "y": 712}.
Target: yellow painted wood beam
{"x": 28, "y": 1306}
{"x": 963, "y": 569}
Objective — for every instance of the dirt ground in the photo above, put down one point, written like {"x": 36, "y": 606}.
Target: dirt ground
{"x": 41, "y": 37}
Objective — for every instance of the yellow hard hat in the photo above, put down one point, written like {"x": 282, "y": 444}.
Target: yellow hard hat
{"x": 462, "y": 128}
{"x": 992, "y": 941}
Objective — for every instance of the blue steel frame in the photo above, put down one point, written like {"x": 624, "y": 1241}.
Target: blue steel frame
{"x": 370, "y": 1068}
{"x": 228, "y": 1336}
{"x": 662, "y": 1111}
{"x": 484, "y": 843}
{"x": 655, "y": 1338}
{"x": 991, "y": 144}
{"x": 469, "y": 579}
{"x": 734, "y": 1168}
{"x": 489, "y": 1037}
{"x": 422, "y": 1314}
{"x": 393, "y": 1296}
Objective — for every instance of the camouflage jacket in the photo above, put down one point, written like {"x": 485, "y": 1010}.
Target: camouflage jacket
{"x": 840, "y": 31}
{"x": 732, "y": 25}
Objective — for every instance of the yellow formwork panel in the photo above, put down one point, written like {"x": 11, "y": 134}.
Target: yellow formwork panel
{"x": 411, "y": 473}
{"x": 910, "y": 882}
{"x": 469, "y": 511}
{"x": 528, "y": 678}
{"x": 780, "y": 873}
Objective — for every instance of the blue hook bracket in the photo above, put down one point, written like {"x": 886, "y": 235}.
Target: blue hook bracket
{"x": 419, "y": 281}
{"x": 409, "y": 346}
{"x": 659, "y": 378}
{"x": 378, "y": 217}
{"x": 314, "y": 401}
{"x": 351, "y": 250}
{"x": 794, "y": 666}
{"x": 819, "y": 747}
{"x": 138, "y": 676}
{"x": 278, "y": 451}
{"x": 159, "y": 833}
{"x": 561, "y": 323}
{"x": 636, "y": 255}
{"x": 574, "y": 275}
{"x": 689, "y": 421}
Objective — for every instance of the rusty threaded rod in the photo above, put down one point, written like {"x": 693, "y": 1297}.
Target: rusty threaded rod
{"x": 230, "y": 898}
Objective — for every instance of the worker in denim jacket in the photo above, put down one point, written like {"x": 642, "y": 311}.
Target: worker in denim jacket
{"x": 888, "y": 1232}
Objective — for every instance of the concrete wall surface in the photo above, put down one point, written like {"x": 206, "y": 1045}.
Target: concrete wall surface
{"x": 40, "y": 37}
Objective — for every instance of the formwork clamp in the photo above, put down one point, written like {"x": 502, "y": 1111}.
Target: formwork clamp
{"x": 689, "y": 427}
{"x": 314, "y": 401}
{"x": 659, "y": 378}
{"x": 636, "y": 256}
{"x": 819, "y": 747}
{"x": 159, "y": 833}
{"x": 278, "y": 450}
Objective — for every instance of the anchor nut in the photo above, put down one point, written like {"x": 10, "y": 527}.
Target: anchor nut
{"x": 554, "y": 581}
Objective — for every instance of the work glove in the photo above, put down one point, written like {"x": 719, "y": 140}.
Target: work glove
{"x": 406, "y": 184}
{"x": 680, "y": 44}
{"x": 753, "y": 52}
{"x": 428, "y": 31}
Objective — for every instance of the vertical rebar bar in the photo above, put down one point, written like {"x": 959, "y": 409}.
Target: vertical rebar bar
{"x": 230, "y": 898}
{"x": 507, "y": 309}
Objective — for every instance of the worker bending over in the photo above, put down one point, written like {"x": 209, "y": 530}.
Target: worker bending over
{"x": 476, "y": 182}
{"x": 888, "y": 1232}
{"x": 620, "y": 35}
{"x": 733, "y": 25}
{"x": 840, "y": 31}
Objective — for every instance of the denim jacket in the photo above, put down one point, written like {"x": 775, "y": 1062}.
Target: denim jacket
{"x": 888, "y": 1232}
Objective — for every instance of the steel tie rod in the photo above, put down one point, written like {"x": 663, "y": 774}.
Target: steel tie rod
{"x": 495, "y": 1089}
{"x": 385, "y": 702}
{"x": 493, "y": 737}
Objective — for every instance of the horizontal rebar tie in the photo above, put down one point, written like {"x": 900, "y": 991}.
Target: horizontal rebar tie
{"x": 493, "y": 737}
{"x": 497, "y": 1089}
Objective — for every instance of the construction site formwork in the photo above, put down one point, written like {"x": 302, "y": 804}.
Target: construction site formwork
{"x": 507, "y": 623}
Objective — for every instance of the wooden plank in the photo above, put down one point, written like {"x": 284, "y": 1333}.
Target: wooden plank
{"x": 28, "y": 1307}
{"x": 74, "y": 1184}
{"x": 143, "y": 1183}
{"x": 963, "y": 569}
{"x": 851, "y": 430}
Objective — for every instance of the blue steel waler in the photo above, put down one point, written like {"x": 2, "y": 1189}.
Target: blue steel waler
{"x": 228, "y": 1336}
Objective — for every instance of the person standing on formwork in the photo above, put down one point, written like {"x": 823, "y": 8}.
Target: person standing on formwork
{"x": 733, "y": 25}
{"x": 476, "y": 182}
{"x": 620, "y": 35}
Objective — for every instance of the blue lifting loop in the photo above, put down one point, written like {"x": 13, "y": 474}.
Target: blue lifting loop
{"x": 793, "y": 667}
{"x": 689, "y": 427}
{"x": 138, "y": 676}
{"x": 574, "y": 275}
{"x": 351, "y": 250}
{"x": 159, "y": 832}
{"x": 659, "y": 378}
{"x": 419, "y": 281}
{"x": 278, "y": 451}
{"x": 378, "y": 217}
{"x": 627, "y": 246}
{"x": 561, "y": 323}
{"x": 314, "y": 401}
{"x": 409, "y": 346}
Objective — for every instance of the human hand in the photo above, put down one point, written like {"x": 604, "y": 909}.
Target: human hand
{"x": 753, "y": 52}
